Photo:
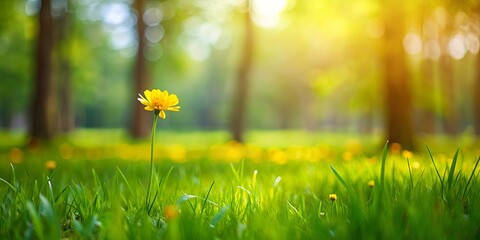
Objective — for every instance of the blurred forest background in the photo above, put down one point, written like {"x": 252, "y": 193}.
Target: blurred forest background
{"x": 363, "y": 66}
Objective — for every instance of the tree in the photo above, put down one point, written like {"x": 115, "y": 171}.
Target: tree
{"x": 139, "y": 126}
{"x": 398, "y": 101}
{"x": 43, "y": 103}
{"x": 63, "y": 70}
{"x": 238, "y": 110}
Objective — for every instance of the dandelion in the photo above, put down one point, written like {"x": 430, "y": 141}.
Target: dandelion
{"x": 50, "y": 164}
{"x": 159, "y": 102}
{"x": 333, "y": 197}
{"x": 407, "y": 154}
{"x": 371, "y": 183}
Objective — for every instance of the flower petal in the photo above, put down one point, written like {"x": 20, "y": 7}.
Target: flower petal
{"x": 149, "y": 108}
{"x": 162, "y": 114}
{"x": 142, "y": 97}
{"x": 174, "y": 109}
{"x": 143, "y": 101}
{"x": 148, "y": 95}
{"x": 172, "y": 100}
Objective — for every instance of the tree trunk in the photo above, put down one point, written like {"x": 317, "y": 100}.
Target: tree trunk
{"x": 67, "y": 115}
{"x": 398, "y": 101}
{"x": 43, "y": 108}
{"x": 238, "y": 114}
{"x": 139, "y": 128}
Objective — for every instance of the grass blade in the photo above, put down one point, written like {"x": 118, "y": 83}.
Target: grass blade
{"x": 125, "y": 179}
{"x": 164, "y": 182}
{"x": 235, "y": 172}
{"x": 435, "y": 166}
{"x": 382, "y": 171}
{"x": 61, "y": 192}
{"x": 295, "y": 210}
{"x": 219, "y": 216}
{"x": 36, "y": 221}
{"x": 13, "y": 173}
{"x": 9, "y": 185}
{"x": 206, "y": 198}
{"x": 128, "y": 184}
{"x": 470, "y": 179}
{"x": 378, "y": 200}
{"x": 342, "y": 181}
{"x": 410, "y": 172}
{"x": 452, "y": 170}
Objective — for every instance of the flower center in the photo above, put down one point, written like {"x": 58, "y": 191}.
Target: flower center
{"x": 158, "y": 103}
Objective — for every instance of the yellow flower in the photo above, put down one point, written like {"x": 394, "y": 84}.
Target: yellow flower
{"x": 407, "y": 154}
{"x": 332, "y": 197}
{"x": 50, "y": 164}
{"x": 371, "y": 183}
{"x": 157, "y": 100}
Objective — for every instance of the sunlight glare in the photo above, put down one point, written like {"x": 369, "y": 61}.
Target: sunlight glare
{"x": 32, "y": 7}
{"x": 122, "y": 39}
{"x": 152, "y": 16}
{"x": 456, "y": 47}
{"x": 412, "y": 43}
{"x": 473, "y": 43}
{"x": 154, "y": 34}
{"x": 266, "y": 13}
{"x": 115, "y": 13}
{"x": 199, "y": 36}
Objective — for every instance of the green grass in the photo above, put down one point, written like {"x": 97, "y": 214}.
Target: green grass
{"x": 212, "y": 190}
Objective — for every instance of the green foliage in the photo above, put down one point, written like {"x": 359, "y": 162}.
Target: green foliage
{"x": 205, "y": 199}
{"x": 309, "y": 70}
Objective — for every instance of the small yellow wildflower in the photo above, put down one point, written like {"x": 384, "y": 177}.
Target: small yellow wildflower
{"x": 332, "y": 197}
{"x": 407, "y": 154}
{"x": 160, "y": 101}
{"x": 50, "y": 164}
{"x": 371, "y": 183}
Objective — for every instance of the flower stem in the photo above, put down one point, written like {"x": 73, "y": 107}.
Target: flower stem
{"x": 147, "y": 200}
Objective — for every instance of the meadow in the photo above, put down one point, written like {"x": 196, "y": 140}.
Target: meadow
{"x": 281, "y": 185}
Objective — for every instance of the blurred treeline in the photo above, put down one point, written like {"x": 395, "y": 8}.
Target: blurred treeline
{"x": 315, "y": 65}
